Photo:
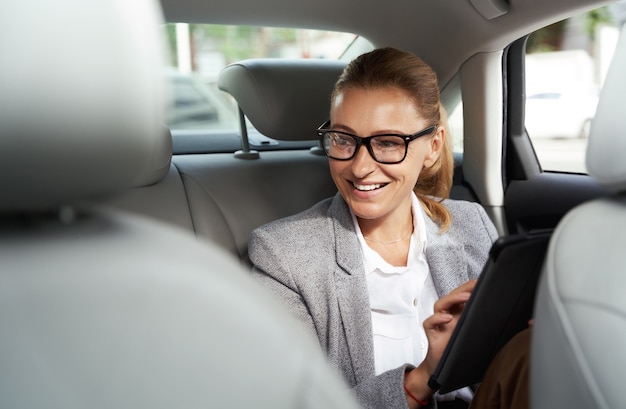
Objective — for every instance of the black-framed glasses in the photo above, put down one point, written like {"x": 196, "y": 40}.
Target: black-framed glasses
{"x": 384, "y": 148}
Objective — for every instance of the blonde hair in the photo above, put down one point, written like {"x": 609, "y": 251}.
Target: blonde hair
{"x": 389, "y": 67}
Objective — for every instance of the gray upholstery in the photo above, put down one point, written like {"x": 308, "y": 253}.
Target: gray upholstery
{"x": 55, "y": 89}
{"x": 284, "y": 99}
{"x": 578, "y": 354}
{"x": 605, "y": 151}
{"x": 115, "y": 312}
{"x": 165, "y": 200}
{"x": 100, "y": 308}
{"x": 159, "y": 160}
{"x": 229, "y": 197}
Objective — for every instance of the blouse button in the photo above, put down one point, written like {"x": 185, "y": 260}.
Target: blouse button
{"x": 415, "y": 302}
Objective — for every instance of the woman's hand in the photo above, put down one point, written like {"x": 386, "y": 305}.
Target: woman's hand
{"x": 438, "y": 327}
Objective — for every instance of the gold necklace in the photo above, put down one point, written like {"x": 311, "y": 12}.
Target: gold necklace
{"x": 390, "y": 242}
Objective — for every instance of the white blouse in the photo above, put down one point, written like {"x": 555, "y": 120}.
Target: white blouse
{"x": 401, "y": 298}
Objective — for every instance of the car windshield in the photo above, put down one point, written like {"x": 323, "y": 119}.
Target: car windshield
{"x": 198, "y": 52}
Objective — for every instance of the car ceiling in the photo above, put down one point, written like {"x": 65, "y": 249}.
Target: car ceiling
{"x": 445, "y": 33}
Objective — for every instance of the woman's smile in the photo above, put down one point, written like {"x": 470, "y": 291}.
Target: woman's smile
{"x": 368, "y": 187}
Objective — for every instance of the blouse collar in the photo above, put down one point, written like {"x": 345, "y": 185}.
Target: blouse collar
{"x": 373, "y": 261}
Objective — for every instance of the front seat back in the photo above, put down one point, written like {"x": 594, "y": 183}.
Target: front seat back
{"x": 101, "y": 309}
{"x": 578, "y": 354}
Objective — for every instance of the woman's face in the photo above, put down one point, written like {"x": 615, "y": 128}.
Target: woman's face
{"x": 371, "y": 189}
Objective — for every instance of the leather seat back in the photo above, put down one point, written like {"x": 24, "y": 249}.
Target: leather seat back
{"x": 579, "y": 338}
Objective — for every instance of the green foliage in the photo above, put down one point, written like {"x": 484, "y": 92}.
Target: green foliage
{"x": 286, "y": 35}
{"x": 170, "y": 32}
{"x": 549, "y": 38}
{"x": 546, "y": 39}
{"x": 596, "y": 17}
{"x": 234, "y": 43}
{"x": 238, "y": 42}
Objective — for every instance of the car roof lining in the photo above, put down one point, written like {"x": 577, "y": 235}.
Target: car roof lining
{"x": 367, "y": 20}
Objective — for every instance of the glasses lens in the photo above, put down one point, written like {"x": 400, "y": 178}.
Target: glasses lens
{"x": 388, "y": 148}
{"x": 339, "y": 146}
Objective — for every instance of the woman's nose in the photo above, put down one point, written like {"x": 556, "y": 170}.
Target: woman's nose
{"x": 363, "y": 164}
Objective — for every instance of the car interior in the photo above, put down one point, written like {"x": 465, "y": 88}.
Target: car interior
{"x": 105, "y": 309}
{"x": 124, "y": 238}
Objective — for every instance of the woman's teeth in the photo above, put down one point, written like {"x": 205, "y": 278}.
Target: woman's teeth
{"x": 367, "y": 187}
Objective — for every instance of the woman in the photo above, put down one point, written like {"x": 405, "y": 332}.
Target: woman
{"x": 380, "y": 272}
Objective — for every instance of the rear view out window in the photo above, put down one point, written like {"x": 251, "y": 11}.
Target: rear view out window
{"x": 199, "y": 52}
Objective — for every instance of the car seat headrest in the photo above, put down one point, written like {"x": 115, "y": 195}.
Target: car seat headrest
{"x": 283, "y": 99}
{"x": 607, "y": 139}
{"x": 158, "y": 161}
{"x": 82, "y": 96}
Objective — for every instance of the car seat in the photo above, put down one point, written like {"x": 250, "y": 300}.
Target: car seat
{"x": 578, "y": 349}
{"x": 100, "y": 308}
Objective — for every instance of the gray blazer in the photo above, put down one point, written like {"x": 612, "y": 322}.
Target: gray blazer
{"x": 312, "y": 261}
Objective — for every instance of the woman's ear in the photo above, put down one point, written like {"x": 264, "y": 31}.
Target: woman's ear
{"x": 435, "y": 145}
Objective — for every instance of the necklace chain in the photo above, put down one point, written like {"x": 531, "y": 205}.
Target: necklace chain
{"x": 389, "y": 242}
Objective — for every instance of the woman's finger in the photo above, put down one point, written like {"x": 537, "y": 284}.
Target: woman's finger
{"x": 452, "y": 301}
{"x": 468, "y": 286}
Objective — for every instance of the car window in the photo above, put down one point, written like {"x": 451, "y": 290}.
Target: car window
{"x": 565, "y": 68}
{"x": 455, "y": 120}
{"x": 198, "y": 52}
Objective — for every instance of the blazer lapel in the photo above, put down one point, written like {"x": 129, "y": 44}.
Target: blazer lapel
{"x": 446, "y": 259}
{"x": 352, "y": 292}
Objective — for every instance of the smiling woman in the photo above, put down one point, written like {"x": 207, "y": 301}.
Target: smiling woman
{"x": 382, "y": 279}
{"x": 362, "y": 180}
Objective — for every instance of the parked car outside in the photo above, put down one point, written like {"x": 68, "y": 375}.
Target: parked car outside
{"x": 197, "y": 105}
{"x": 560, "y": 114}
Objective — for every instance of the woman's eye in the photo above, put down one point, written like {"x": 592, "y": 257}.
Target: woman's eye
{"x": 388, "y": 143}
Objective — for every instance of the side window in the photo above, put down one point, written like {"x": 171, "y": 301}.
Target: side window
{"x": 455, "y": 120}
{"x": 565, "y": 68}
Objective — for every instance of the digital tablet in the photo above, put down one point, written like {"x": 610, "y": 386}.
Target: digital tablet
{"x": 500, "y": 306}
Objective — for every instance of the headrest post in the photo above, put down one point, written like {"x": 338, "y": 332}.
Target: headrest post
{"x": 245, "y": 152}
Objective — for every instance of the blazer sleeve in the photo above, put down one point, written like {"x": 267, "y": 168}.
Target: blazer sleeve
{"x": 271, "y": 268}
{"x": 385, "y": 390}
